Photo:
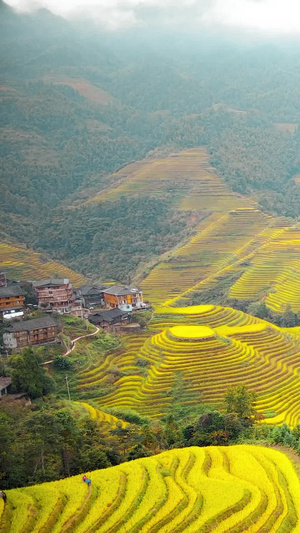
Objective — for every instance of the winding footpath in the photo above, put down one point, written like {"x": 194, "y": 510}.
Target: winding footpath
{"x": 74, "y": 341}
{"x": 73, "y": 344}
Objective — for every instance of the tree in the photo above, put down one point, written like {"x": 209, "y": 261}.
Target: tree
{"x": 240, "y": 401}
{"x": 28, "y": 376}
{"x": 259, "y": 309}
{"x": 142, "y": 317}
{"x": 62, "y": 363}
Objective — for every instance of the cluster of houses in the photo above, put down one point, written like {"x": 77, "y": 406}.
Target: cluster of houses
{"x": 103, "y": 306}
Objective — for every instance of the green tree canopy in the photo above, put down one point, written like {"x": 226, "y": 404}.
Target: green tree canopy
{"x": 241, "y": 401}
{"x": 28, "y": 376}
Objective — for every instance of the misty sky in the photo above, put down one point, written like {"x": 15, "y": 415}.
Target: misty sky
{"x": 267, "y": 16}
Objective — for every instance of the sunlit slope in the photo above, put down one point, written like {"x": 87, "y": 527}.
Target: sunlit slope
{"x": 25, "y": 264}
{"x": 261, "y": 251}
{"x": 187, "y": 175}
{"x": 222, "y": 241}
{"x": 101, "y": 417}
{"x": 234, "y": 237}
{"x": 200, "y": 352}
{"x": 275, "y": 270}
{"x": 119, "y": 362}
{"x": 193, "y": 490}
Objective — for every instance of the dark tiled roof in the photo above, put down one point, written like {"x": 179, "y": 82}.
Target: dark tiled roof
{"x": 108, "y": 316}
{"x": 119, "y": 290}
{"x": 29, "y": 325}
{"x": 87, "y": 290}
{"x": 4, "y": 382}
{"x": 11, "y": 290}
{"x": 51, "y": 282}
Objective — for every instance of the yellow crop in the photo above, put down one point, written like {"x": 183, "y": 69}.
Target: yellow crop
{"x": 192, "y": 310}
{"x": 21, "y": 263}
{"x": 191, "y": 332}
{"x": 204, "y": 353}
{"x": 101, "y": 416}
{"x": 220, "y": 489}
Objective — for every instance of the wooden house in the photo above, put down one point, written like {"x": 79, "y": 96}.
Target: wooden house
{"x": 11, "y": 301}
{"x": 34, "y": 332}
{"x": 125, "y": 298}
{"x": 91, "y": 296}
{"x": 111, "y": 317}
{"x": 55, "y": 295}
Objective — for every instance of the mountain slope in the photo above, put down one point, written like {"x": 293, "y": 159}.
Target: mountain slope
{"x": 25, "y": 264}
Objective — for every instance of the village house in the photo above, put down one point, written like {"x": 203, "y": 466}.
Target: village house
{"x": 33, "y": 332}
{"x": 57, "y": 295}
{"x": 109, "y": 318}
{"x": 125, "y": 298}
{"x": 4, "y": 385}
{"x": 91, "y": 296}
{"x": 11, "y": 301}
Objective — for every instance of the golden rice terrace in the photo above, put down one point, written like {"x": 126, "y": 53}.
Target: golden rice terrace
{"x": 194, "y": 490}
{"x": 234, "y": 236}
{"x": 25, "y": 264}
{"x": 192, "y": 355}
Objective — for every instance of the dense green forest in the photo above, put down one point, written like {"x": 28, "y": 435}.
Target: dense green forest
{"x": 60, "y": 144}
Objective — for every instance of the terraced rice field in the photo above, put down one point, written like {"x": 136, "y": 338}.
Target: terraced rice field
{"x": 91, "y": 380}
{"x": 193, "y": 490}
{"x": 264, "y": 251}
{"x": 197, "y": 353}
{"x": 275, "y": 268}
{"x": 24, "y": 264}
{"x": 101, "y": 417}
{"x": 84, "y": 87}
{"x": 187, "y": 175}
{"x": 217, "y": 247}
{"x": 231, "y": 232}
{"x": 235, "y": 237}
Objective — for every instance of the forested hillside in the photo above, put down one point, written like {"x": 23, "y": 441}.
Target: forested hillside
{"x": 77, "y": 105}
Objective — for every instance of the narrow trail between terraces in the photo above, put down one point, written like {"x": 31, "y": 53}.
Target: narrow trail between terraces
{"x": 73, "y": 344}
{"x": 74, "y": 341}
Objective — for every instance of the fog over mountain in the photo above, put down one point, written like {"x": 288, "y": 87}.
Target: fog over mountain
{"x": 262, "y": 16}
{"x": 79, "y": 103}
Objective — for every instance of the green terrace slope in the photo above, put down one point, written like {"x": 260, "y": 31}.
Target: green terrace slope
{"x": 192, "y": 490}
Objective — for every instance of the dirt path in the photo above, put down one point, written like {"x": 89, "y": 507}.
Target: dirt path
{"x": 68, "y": 525}
{"x": 73, "y": 344}
{"x": 74, "y": 341}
